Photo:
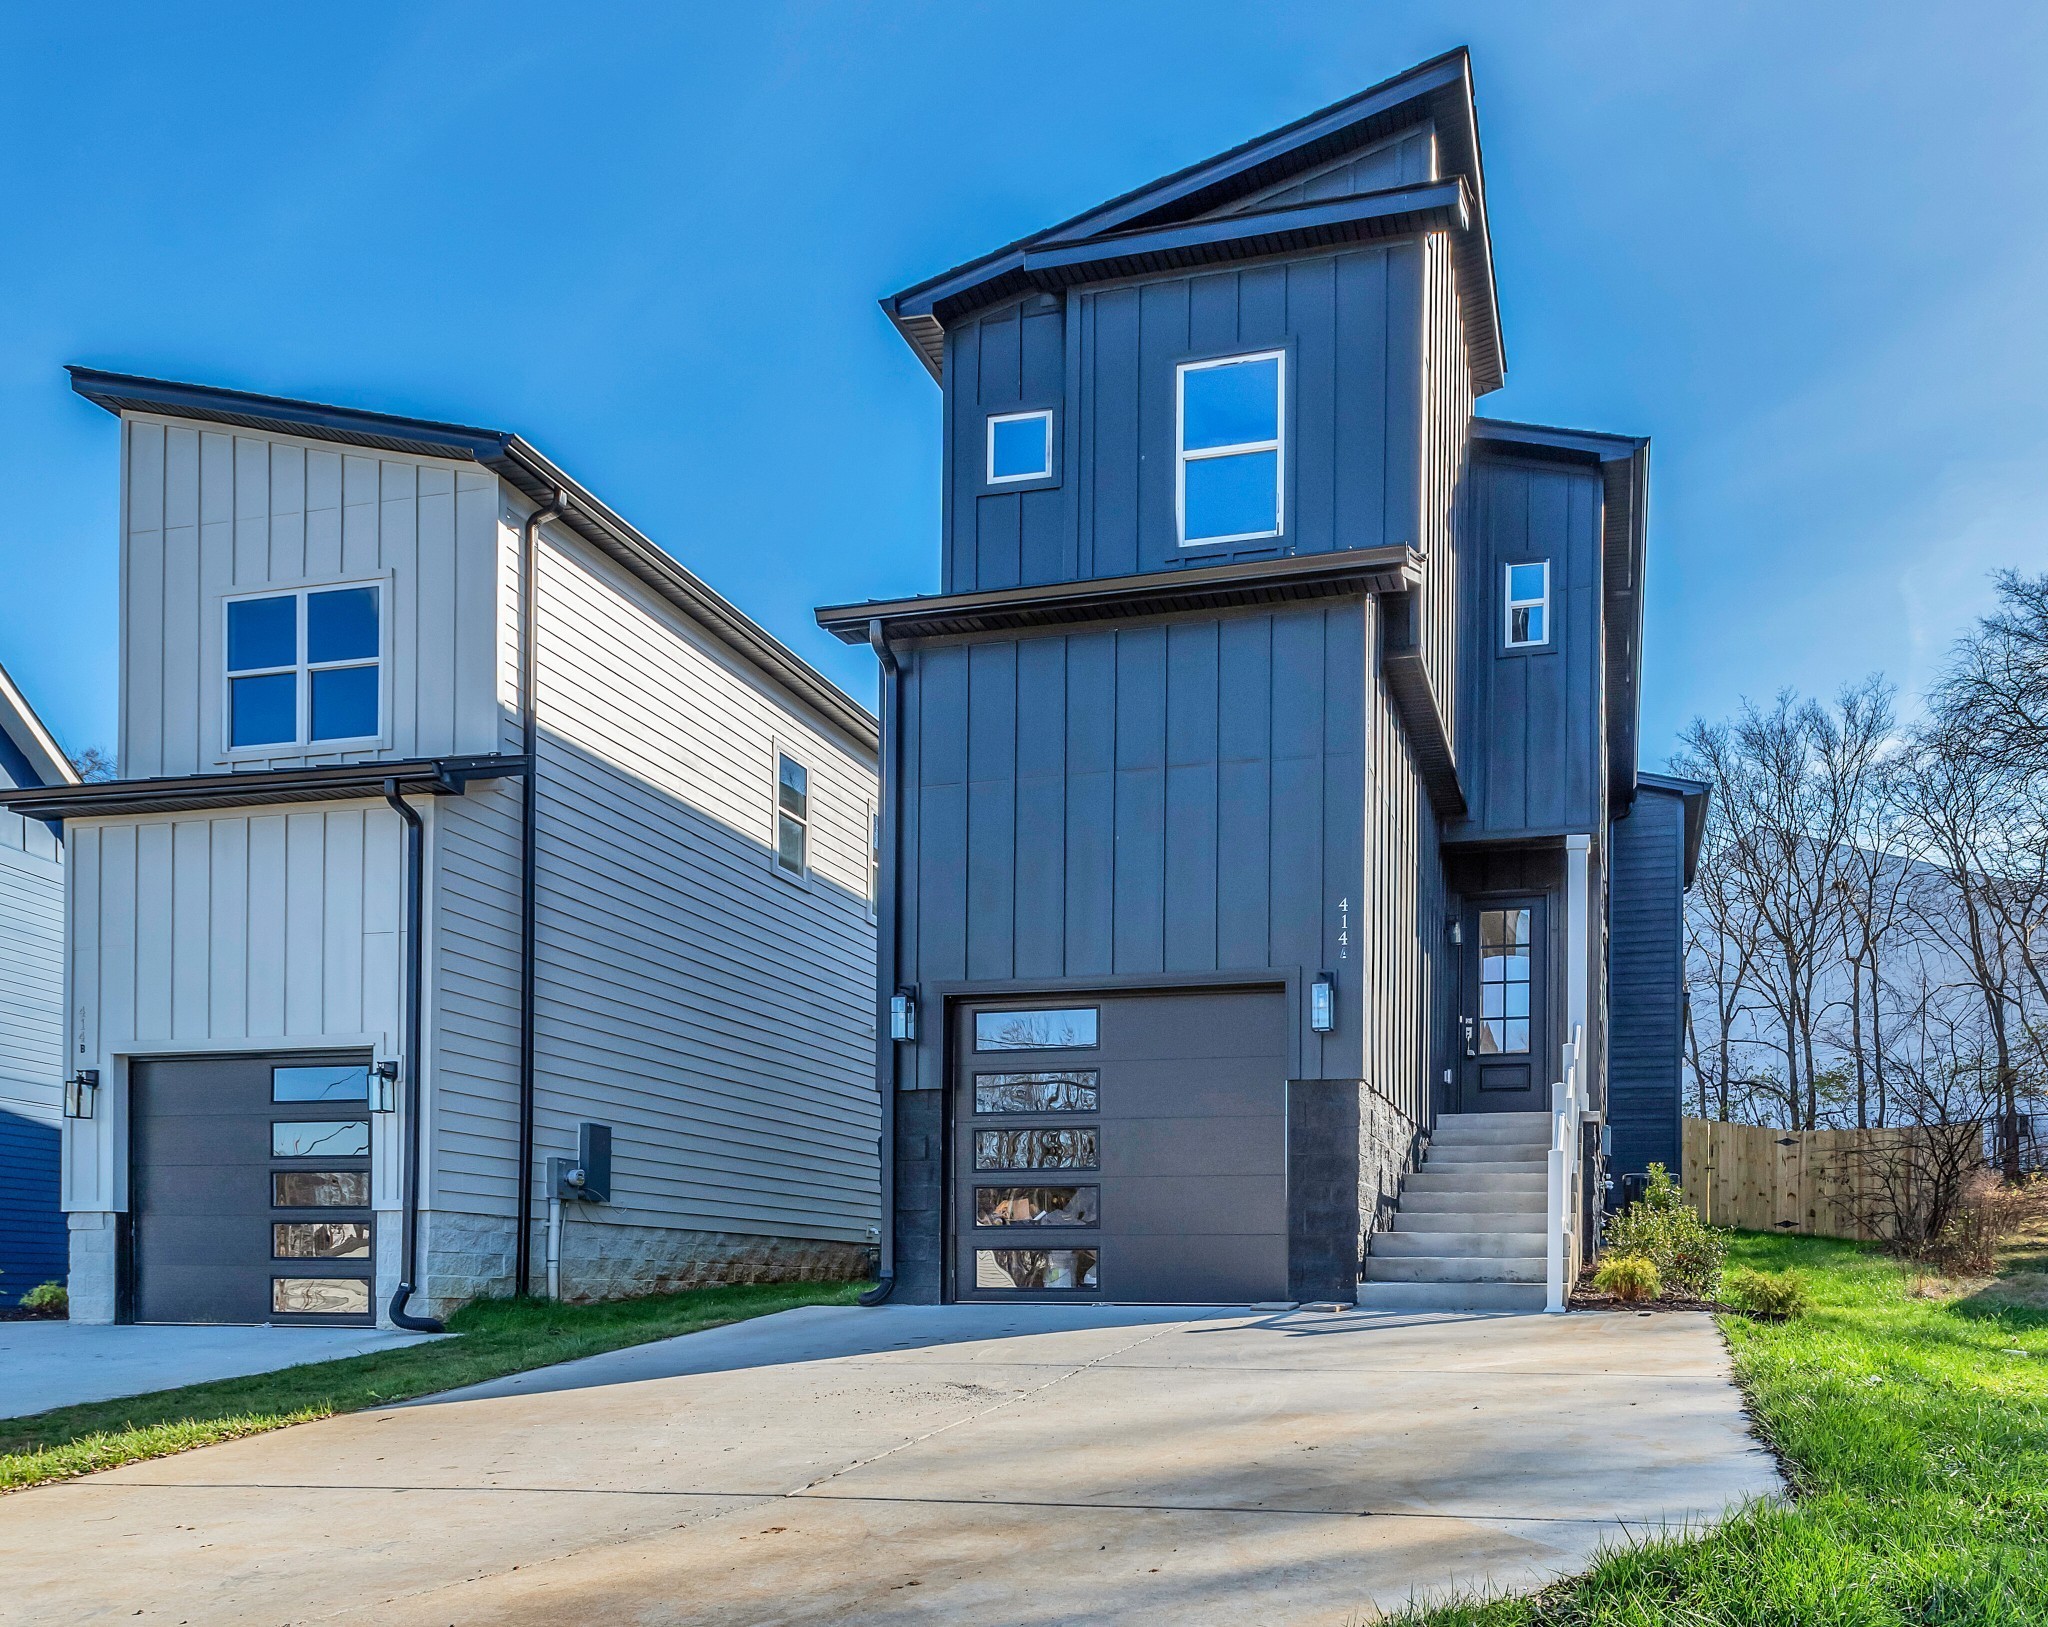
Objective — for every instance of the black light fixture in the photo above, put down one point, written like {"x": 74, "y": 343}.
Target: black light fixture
{"x": 81, "y": 1090}
{"x": 1322, "y": 1003}
{"x": 384, "y": 1087}
{"x": 903, "y": 1015}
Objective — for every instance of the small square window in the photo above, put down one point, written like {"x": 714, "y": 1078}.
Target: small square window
{"x": 303, "y": 667}
{"x": 1528, "y": 604}
{"x": 1019, "y": 446}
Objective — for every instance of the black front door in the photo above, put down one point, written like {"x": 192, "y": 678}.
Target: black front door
{"x": 1506, "y": 1066}
{"x": 250, "y": 1189}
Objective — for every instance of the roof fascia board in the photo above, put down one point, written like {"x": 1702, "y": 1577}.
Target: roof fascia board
{"x": 24, "y": 730}
{"x": 1393, "y": 569}
{"x": 533, "y": 475}
{"x": 433, "y": 776}
{"x": 1593, "y": 444}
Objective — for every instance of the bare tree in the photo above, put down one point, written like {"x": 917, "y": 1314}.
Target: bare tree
{"x": 1877, "y": 869}
{"x": 95, "y": 764}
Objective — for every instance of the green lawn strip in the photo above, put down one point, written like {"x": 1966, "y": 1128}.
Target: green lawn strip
{"x": 1916, "y": 1434}
{"x": 491, "y": 1338}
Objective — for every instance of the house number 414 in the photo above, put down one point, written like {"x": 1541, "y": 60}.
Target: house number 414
{"x": 1343, "y": 929}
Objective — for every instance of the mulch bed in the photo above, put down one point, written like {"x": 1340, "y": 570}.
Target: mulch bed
{"x": 14, "y": 1313}
{"x": 1585, "y": 1297}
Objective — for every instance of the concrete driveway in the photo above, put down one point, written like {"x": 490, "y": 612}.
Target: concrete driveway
{"x": 59, "y": 1364}
{"x": 1012, "y": 1466}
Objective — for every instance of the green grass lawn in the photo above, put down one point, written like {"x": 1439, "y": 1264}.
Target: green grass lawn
{"x": 491, "y": 1338}
{"x": 1915, "y": 1431}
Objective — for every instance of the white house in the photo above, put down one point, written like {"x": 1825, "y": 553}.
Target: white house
{"x": 31, "y": 1005}
{"x": 436, "y": 888}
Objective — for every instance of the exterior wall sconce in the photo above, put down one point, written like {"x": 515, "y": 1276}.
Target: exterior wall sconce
{"x": 903, "y": 1015}
{"x": 1457, "y": 931}
{"x": 384, "y": 1087}
{"x": 1322, "y": 1004}
{"x": 81, "y": 1091}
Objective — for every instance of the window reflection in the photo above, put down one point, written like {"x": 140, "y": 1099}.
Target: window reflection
{"x": 1036, "y": 1149}
{"x": 320, "y": 1296}
{"x": 320, "y": 1138}
{"x": 349, "y": 1083}
{"x": 320, "y": 1240}
{"x": 1038, "y": 1269}
{"x": 1504, "y": 982}
{"x": 1035, "y": 1092}
{"x": 1037, "y": 1205}
{"x": 320, "y": 1189}
{"x": 1034, "y": 1030}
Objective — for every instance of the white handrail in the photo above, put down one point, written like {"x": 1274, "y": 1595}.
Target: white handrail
{"x": 1561, "y": 1208}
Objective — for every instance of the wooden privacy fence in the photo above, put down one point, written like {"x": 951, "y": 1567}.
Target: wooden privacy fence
{"x": 1822, "y": 1182}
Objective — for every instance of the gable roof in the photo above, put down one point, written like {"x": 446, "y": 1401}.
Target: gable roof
{"x": 1170, "y": 222}
{"x": 517, "y": 463}
{"x": 28, "y": 751}
{"x": 1694, "y": 793}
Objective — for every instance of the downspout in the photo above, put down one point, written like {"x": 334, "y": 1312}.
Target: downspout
{"x": 415, "y": 949}
{"x": 529, "y": 813}
{"x": 885, "y": 961}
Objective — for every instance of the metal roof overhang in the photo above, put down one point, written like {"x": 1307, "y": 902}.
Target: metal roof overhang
{"x": 416, "y": 776}
{"x": 534, "y": 476}
{"x": 1439, "y": 90}
{"x": 1202, "y": 588}
{"x": 1623, "y": 462}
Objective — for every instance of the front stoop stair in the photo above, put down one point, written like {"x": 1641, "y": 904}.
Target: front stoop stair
{"x": 1469, "y": 1234}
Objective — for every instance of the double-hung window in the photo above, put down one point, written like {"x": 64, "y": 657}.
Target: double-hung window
{"x": 792, "y": 816}
{"x": 1231, "y": 415}
{"x": 303, "y": 668}
{"x": 1528, "y": 604}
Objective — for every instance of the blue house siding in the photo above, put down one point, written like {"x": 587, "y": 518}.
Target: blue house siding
{"x": 32, "y": 1239}
{"x": 1646, "y": 950}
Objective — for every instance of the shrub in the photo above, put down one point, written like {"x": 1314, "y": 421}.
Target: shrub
{"x": 1986, "y": 1211}
{"x": 1773, "y": 1296}
{"x": 47, "y": 1299}
{"x": 1630, "y": 1278}
{"x": 1686, "y": 1251}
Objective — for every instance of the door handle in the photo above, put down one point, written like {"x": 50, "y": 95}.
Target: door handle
{"x": 1471, "y": 1042}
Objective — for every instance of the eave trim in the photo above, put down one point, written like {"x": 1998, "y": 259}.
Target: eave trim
{"x": 1407, "y": 680}
{"x": 1202, "y": 588}
{"x": 428, "y": 776}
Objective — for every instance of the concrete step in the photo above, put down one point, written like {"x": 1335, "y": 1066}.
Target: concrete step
{"x": 1487, "y": 1155}
{"x": 1462, "y": 1199}
{"x": 1527, "y": 1220}
{"x": 1399, "y": 1244}
{"x": 1476, "y": 1180}
{"x": 1450, "y": 1296}
{"x": 1480, "y": 1127}
{"x": 1454, "y": 1268}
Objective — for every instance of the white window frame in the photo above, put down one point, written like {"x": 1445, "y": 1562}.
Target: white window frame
{"x": 780, "y": 754}
{"x": 1044, "y": 415}
{"x": 302, "y": 744}
{"x": 1512, "y": 604}
{"x": 1184, "y": 455}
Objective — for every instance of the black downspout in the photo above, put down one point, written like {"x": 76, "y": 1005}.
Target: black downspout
{"x": 885, "y": 964}
{"x": 529, "y": 813}
{"x": 415, "y": 865}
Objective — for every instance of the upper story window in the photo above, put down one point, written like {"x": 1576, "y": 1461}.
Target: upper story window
{"x": 1231, "y": 414}
{"x": 1528, "y": 604}
{"x": 302, "y": 668}
{"x": 792, "y": 816}
{"x": 1019, "y": 447}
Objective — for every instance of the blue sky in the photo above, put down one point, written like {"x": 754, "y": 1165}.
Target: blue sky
{"x": 1800, "y": 246}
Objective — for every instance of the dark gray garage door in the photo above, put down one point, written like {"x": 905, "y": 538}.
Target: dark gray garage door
{"x": 250, "y": 1189}
{"x": 1131, "y": 1148}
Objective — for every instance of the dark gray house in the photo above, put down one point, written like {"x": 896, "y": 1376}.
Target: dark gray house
{"x": 1268, "y": 899}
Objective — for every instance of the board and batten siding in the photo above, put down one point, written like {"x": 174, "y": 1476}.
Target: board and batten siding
{"x": 1177, "y": 797}
{"x": 1446, "y": 456}
{"x": 1531, "y": 742}
{"x": 1351, "y": 323}
{"x": 1646, "y": 960}
{"x": 717, "y": 1015}
{"x": 211, "y": 512}
{"x": 227, "y": 931}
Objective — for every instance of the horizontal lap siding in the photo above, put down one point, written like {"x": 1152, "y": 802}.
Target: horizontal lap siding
{"x": 194, "y": 931}
{"x": 211, "y": 512}
{"x": 1646, "y": 951}
{"x": 718, "y": 1016}
{"x": 1170, "y": 798}
{"x": 31, "y": 968}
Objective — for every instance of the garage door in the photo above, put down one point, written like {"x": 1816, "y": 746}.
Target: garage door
{"x": 1131, "y": 1148}
{"x": 250, "y": 1189}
